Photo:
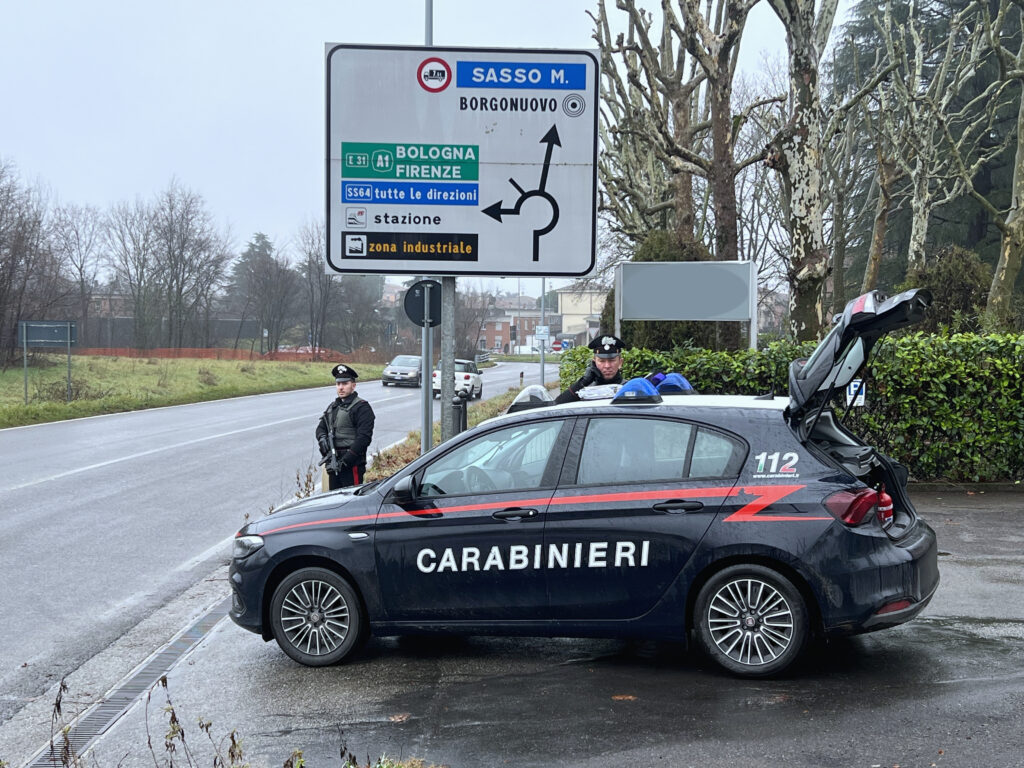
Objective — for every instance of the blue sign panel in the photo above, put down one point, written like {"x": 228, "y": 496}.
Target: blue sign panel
{"x": 409, "y": 193}
{"x": 517, "y": 74}
{"x": 47, "y": 333}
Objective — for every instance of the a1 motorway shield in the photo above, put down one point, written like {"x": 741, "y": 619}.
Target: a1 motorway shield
{"x": 455, "y": 161}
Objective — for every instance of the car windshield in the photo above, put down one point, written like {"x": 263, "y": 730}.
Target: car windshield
{"x": 406, "y": 360}
{"x": 510, "y": 459}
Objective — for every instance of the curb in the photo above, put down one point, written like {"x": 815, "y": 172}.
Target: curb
{"x": 1016, "y": 487}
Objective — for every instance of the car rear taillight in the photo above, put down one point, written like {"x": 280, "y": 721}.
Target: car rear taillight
{"x": 853, "y": 508}
{"x": 466, "y": 377}
{"x": 899, "y": 605}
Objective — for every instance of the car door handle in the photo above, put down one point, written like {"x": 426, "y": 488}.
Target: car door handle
{"x": 675, "y": 506}
{"x": 514, "y": 513}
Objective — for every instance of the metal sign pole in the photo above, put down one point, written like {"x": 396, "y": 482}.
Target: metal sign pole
{"x": 544, "y": 322}
{"x": 24, "y": 357}
{"x": 69, "y": 360}
{"x": 426, "y": 433}
{"x": 447, "y": 365}
{"x": 753, "y": 305}
{"x": 427, "y": 341}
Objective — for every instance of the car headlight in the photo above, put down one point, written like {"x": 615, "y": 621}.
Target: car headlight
{"x": 244, "y": 546}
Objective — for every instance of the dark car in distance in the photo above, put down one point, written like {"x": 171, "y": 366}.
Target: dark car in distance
{"x": 403, "y": 370}
{"x": 747, "y": 524}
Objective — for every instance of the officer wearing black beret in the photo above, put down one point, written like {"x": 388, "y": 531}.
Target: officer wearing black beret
{"x": 605, "y": 368}
{"x": 349, "y": 421}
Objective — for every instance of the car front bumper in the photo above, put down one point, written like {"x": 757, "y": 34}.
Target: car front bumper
{"x": 247, "y": 578}
{"x": 399, "y": 378}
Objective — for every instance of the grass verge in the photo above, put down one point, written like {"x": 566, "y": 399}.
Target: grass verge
{"x": 115, "y": 384}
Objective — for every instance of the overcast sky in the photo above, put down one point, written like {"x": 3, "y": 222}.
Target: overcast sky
{"x": 106, "y": 100}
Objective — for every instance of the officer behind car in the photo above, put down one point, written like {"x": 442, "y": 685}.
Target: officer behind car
{"x": 605, "y": 368}
{"x": 352, "y": 418}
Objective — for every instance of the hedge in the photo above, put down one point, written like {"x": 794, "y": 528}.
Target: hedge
{"x": 949, "y": 407}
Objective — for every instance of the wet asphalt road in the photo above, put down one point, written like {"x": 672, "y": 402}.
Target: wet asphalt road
{"x": 106, "y": 520}
{"x": 945, "y": 690}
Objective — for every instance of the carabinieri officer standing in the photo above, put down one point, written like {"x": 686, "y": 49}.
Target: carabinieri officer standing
{"x": 352, "y": 419}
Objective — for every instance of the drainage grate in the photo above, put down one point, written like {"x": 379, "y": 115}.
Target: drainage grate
{"x": 95, "y": 721}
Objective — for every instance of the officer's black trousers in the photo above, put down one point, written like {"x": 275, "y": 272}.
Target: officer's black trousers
{"x": 347, "y": 477}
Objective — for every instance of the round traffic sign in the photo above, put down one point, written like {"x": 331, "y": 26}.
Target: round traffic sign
{"x": 556, "y": 346}
{"x": 416, "y": 306}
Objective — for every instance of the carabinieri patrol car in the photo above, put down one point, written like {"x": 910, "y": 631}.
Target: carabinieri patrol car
{"x": 749, "y": 524}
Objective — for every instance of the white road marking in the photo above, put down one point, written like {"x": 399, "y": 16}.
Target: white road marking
{"x": 169, "y": 447}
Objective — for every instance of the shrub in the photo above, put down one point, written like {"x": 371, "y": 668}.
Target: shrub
{"x": 949, "y": 407}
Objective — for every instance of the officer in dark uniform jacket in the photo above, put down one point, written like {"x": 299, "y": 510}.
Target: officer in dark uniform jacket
{"x": 605, "y": 368}
{"x": 353, "y": 420}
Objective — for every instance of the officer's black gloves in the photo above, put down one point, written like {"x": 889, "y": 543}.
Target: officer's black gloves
{"x": 347, "y": 459}
{"x": 325, "y": 447}
{"x": 590, "y": 376}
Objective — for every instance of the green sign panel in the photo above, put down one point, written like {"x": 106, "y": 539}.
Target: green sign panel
{"x": 410, "y": 162}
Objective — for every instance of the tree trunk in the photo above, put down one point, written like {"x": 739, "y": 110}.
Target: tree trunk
{"x": 683, "y": 181}
{"x": 839, "y": 248}
{"x": 920, "y": 206}
{"x": 998, "y": 308}
{"x": 722, "y": 175}
{"x": 800, "y": 148}
{"x": 886, "y": 175}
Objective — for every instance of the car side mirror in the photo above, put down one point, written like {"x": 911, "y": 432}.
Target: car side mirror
{"x": 404, "y": 491}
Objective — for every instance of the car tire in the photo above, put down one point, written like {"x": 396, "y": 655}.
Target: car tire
{"x": 383, "y": 383}
{"x": 480, "y": 392}
{"x": 316, "y": 617}
{"x": 751, "y": 620}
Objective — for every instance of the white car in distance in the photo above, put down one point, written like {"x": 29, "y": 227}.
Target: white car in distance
{"x": 467, "y": 379}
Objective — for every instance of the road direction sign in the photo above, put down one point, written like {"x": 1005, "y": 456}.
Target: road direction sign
{"x": 459, "y": 161}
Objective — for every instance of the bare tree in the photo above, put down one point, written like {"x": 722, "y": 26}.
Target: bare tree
{"x": 1006, "y": 29}
{"x": 930, "y": 80}
{"x": 192, "y": 254}
{"x": 796, "y": 154}
{"x": 320, "y": 287}
{"x": 32, "y": 284}
{"x": 648, "y": 115}
{"x": 668, "y": 120}
{"x": 78, "y": 238}
{"x": 358, "y": 321}
{"x": 131, "y": 246}
{"x": 471, "y": 309}
{"x": 845, "y": 168}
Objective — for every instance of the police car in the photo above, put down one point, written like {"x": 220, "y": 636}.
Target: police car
{"x": 747, "y": 524}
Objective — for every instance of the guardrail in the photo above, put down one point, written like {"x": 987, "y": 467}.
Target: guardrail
{"x": 484, "y": 357}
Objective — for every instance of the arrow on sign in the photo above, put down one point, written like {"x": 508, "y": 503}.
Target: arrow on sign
{"x": 496, "y": 211}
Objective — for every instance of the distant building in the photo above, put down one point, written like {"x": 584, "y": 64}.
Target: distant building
{"x": 581, "y": 312}
{"x": 496, "y": 335}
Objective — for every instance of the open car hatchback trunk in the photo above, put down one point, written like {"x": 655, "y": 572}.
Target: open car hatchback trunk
{"x": 836, "y": 361}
